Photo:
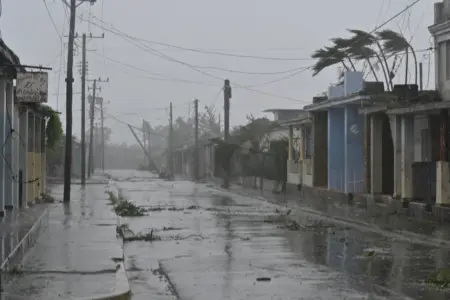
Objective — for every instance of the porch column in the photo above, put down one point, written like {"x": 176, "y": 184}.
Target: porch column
{"x": 376, "y": 154}
{"x": 3, "y": 119}
{"x": 407, "y": 155}
{"x": 302, "y": 143}
{"x": 17, "y": 142}
{"x": 395, "y": 123}
{"x": 23, "y": 157}
{"x": 8, "y": 147}
{"x": 291, "y": 147}
{"x": 30, "y": 159}
{"x": 442, "y": 166}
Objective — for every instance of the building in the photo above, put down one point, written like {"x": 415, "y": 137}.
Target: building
{"x": 339, "y": 136}
{"x": 22, "y": 132}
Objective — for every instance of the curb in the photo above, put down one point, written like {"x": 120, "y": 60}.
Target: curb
{"x": 122, "y": 292}
{"x": 400, "y": 235}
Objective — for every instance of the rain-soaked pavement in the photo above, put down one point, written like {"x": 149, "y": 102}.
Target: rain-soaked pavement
{"x": 214, "y": 244}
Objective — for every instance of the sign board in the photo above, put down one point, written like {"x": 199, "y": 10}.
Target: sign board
{"x": 32, "y": 87}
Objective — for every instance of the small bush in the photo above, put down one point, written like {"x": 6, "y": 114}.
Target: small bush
{"x": 122, "y": 207}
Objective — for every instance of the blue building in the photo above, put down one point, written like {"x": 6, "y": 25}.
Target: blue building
{"x": 339, "y": 131}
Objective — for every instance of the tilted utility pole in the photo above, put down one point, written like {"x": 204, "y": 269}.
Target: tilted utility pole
{"x": 196, "y": 161}
{"x": 170, "y": 150}
{"x": 147, "y": 129}
{"x": 226, "y": 122}
{"x": 69, "y": 94}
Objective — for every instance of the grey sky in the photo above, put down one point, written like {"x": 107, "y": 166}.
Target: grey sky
{"x": 269, "y": 28}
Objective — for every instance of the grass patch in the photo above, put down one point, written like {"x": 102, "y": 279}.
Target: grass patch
{"x": 439, "y": 279}
{"x": 123, "y": 207}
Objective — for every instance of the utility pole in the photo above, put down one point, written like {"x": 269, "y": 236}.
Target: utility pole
{"x": 103, "y": 135}
{"x": 196, "y": 161}
{"x": 170, "y": 152}
{"x": 69, "y": 91}
{"x": 69, "y": 94}
{"x": 91, "y": 132}
{"x": 83, "y": 113}
{"x": 83, "y": 104}
{"x": 92, "y": 118}
{"x": 226, "y": 122}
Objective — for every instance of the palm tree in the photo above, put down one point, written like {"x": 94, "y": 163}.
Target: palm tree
{"x": 395, "y": 43}
{"x": 356, "y": 51}
{"x": 329, "y": 56}
{"x": 364, "y": 39}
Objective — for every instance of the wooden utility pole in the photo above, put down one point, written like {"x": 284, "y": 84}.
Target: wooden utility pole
{"x": 91, "y": 131}
{"x": 83, "y": 103}
{"x": 69, "y": 92}
{"x": 83, "y": 113}
{"x": 69, "y": 100}
{"x": 226, "y": 122}
{"x": 102, "y": 120}
{"x": 196, "y": 158}
{"x": 92, "y": 118}
{"x": 170, "y": 150}
{"x": 147, "y": 130}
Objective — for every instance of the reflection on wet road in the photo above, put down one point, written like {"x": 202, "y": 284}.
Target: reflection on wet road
{"x": 216, "y": 245}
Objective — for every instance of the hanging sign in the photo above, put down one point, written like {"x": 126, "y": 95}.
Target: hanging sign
{"x": 32, "y": 87}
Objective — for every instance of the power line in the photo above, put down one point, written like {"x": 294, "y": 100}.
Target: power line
{"x": 53, "y": 22}
{"x": 166, "y": 57}
{"x": 210, "y": 51}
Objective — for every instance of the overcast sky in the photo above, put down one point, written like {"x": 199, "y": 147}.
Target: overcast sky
{"x": 145, "y": 76}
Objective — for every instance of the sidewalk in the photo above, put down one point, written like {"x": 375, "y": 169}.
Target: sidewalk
{"x": 374, "y": 218}
{"x": 78, "y": 256}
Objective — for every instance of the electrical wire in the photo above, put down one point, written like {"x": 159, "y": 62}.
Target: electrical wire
{"x": 53, "y": 22}
{"x": 166, "y": 57}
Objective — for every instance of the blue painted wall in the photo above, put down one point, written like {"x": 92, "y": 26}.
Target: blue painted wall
{"x": 354, "y": 152}
{"x": 336, "y": 149}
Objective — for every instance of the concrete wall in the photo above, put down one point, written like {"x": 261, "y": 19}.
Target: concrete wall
{"x": 422, "y": 138}
{"x": 354, "y": 151}
{"x": 336, "y": 149}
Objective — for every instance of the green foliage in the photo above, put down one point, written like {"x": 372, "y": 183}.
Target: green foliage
{"x": 54, "y": 131}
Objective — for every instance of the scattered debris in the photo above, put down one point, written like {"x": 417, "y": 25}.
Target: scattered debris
{"x": 47, "y": 198}
{"x": 123, "y": 207}
{"x": 127, "y": 209}
{"x": 439, "y": 279}
{"x": 148, "y": 237}
{"x": 293, "y": 225}
{"x": 170, "y": 228}
{"x": 117, "y": 259}
{"x": 263, "y": 279}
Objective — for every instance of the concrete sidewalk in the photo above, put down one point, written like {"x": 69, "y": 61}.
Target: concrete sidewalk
{"x": 78, "y": 256}
{"x": 374, "y": 218}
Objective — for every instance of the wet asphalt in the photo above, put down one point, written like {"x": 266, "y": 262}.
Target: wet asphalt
{"x": 214, "y": 244}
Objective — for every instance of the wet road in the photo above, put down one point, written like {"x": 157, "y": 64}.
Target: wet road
{"x": 218, "y": 245}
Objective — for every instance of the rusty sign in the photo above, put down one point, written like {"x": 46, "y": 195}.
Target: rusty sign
{"x": 32, "y": 87}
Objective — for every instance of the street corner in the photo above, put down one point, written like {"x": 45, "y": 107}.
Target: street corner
{"x": 122, "y": 289}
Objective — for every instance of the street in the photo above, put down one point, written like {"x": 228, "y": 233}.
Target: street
{"x": 206, "y": 243}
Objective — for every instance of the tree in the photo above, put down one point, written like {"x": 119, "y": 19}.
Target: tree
{"x": 394, "y": 43}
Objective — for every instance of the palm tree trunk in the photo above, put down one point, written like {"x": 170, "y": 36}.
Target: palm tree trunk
{"x": 407, "y": 65}
{"x": 386, "y": 76}
{"x": 415, "y": 64}
{"x": 351, "y": 62}
{"x": 385, "y": 63}
{"x": 372, "y": 69}
{"x": 345, "y": 66}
